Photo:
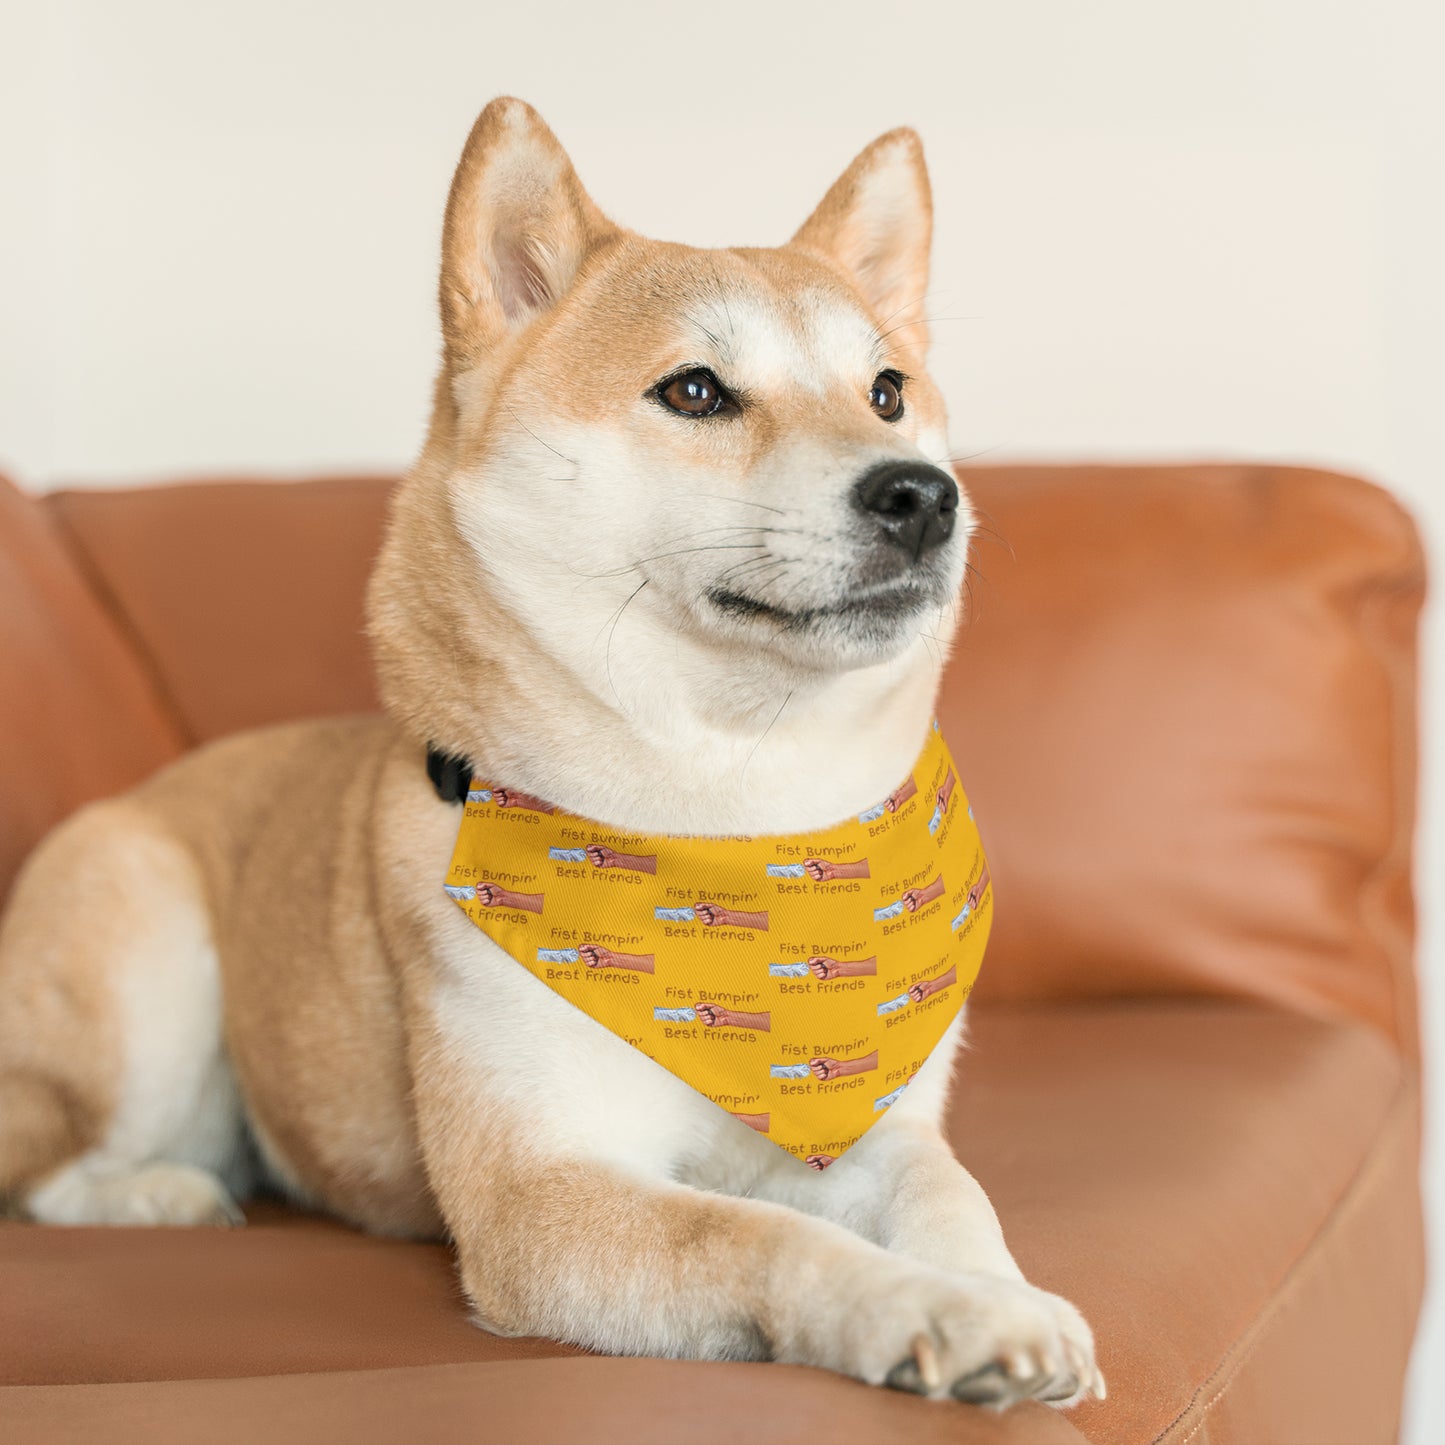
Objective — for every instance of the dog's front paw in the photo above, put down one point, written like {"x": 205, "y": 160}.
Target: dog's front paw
{"x": 979, "y": 1338}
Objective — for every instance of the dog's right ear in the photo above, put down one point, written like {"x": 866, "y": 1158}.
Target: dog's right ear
{"x": 518, "y": 227}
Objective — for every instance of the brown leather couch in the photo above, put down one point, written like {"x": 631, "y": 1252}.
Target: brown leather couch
{"x": 1185, "y": 710}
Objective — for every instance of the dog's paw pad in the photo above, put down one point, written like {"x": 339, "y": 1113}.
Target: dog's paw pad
{"x": 988, "y": 1386}
{"x": 919, "y": 1374}
{"x": 1061, "y": 1391}
{"x": 905, "y": 1376}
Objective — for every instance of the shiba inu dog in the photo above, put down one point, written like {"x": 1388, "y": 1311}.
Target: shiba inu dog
{"x": 677, "y": 554}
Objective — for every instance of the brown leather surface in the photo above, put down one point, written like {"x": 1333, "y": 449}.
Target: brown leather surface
{"x": 1184, "y": 711}
{"x": 541, "y": 1402}
{"x": 78, "y": 716}
{"x": 1364, "y": 1267}
{"x": 246, "y": 597}
{"x": 1172, "y": 1167}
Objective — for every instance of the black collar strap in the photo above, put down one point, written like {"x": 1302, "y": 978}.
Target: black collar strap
{"x": 450, "y": 775}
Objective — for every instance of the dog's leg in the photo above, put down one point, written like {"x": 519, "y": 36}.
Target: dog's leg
{"x": 901, "y": 1187}
{"x": 116, "y": 1104}
{"x": 608, "y": 1256}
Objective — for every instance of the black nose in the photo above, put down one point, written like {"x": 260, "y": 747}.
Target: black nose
{"x": 914, "y": 504}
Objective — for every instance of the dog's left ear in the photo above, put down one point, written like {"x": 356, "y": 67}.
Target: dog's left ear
{"x": 877, "y": 223}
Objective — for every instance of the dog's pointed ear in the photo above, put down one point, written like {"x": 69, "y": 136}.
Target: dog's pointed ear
{"x": 877, "y": 223}
{"x": 518, "y": 228}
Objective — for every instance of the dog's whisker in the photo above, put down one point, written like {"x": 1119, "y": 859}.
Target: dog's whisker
{"x": 969, "y": 573}
{"x": 729, "y": 527}
{"x": 743, "y": 585}
{"x": 807, "y": 577}
{"x": 706, "y": 547}
{"x": 991, "y": 530}
{"x": 680, "y": 552}
{"x": 765, "y": 732}
{"x": 748, "y": 502}
{"x": 761, "y": 578}
{"x": 750, "y": 571}
{"x": 607, "y": 656}
{"x": 882, "y": 336}
{"x": 714, "y": 546}
{"x": 782, "y": 564}
{"x": 907, "y": 305}
{"x": 739, "y": 567}
{"x": 958, "y": 459}
{"x": 928, "y": 319}
{"x": 924, "y": 321}
{"x": 571, "y": 461}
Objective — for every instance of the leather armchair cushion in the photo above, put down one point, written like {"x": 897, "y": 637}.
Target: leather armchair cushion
{"x": 1184, "y": 712}
{"x": 1226, "y": 1191}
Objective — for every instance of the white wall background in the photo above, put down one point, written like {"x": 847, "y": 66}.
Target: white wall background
{"x": 1165, "y": 229}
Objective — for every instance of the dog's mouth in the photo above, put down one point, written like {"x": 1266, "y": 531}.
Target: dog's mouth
{"x": 892, "y": 602}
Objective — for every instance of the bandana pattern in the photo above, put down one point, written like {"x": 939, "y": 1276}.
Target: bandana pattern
{"x": 797, "y": 981}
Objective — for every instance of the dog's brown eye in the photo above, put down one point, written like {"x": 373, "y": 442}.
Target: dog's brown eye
{"x": 886, "y": 398}
{"x": 694, "y": 393}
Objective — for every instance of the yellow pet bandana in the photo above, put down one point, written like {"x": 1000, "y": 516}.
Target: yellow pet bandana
{"x": 796, "y": 980}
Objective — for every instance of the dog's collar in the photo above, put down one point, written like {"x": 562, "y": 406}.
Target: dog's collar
{"x": 450, "y": 774}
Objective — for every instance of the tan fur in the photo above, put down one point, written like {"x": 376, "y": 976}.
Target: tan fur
{"x": 263, "y": 922}
{"x": 245, "y": 822}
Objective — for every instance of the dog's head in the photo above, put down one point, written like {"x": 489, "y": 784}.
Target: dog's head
{"x": 732, "y": 456}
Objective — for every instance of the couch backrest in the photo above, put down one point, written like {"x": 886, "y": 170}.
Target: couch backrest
{"x": 79, "y": 714}
{"x": 1183, "y": 707}
{"x": 246, "y": 596}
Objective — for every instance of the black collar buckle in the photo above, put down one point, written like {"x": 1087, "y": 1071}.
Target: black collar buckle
{"x": 450, "y": 774}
